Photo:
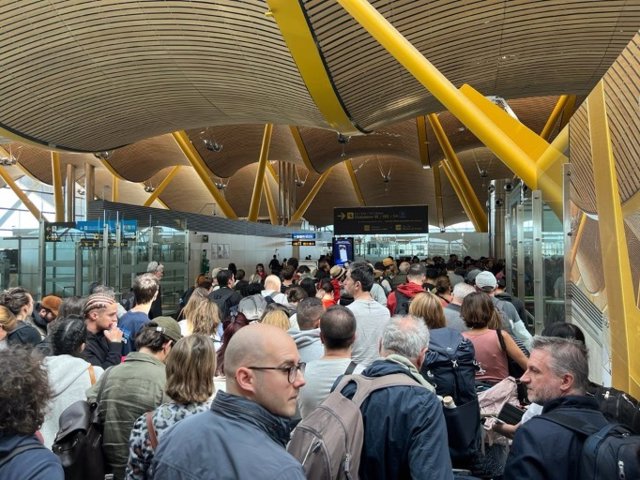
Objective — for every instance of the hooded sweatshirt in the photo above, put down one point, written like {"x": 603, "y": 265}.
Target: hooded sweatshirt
{"x": 409, "y": 290}
{"x": 37, "y": 463}
{"x": 308, "y": 342}
{"x": 69, "y": 379}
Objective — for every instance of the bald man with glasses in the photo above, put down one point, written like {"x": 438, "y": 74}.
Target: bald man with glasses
{"x": 245, "y": 432}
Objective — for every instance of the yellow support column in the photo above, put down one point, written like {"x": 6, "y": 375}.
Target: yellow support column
{"x": 295, "y": 133}
{"x": 163, "y": 184}
{"x": 555, "y": 115}
{"x": 271, "y": 204}
{"x": 56, "y": 174}
{"x": 20, "y": 194}
{"x": 196, "y": 161}
{"x": 310, "y": 197}
{"x": 453, "y": 180}
{"x": 437, "y": 184}
{"x": 354, "y": 181}
{"x": 115, "y": 189}
{"x": 622, "y": 312}
{"x": 434, "y": 81}
{"x": 254, "y": 207}
{"x": 478, "y": 215}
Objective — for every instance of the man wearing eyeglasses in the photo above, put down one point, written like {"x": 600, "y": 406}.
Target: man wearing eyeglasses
{"x": 245, "y": 432}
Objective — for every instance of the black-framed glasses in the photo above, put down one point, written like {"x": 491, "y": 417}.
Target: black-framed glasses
{"x": 292, "y": 371}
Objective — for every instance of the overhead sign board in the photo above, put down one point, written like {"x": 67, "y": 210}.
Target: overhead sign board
{"x": 303, "y": 236}
{"x": 303, "y": 243}
{"x": 380, "y": 220}
{"x": 53, "y": 230}
{"x": 129, "y": 227}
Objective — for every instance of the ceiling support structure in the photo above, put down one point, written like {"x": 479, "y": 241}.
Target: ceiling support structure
{"x": 354, "y": 181}
{"x": 295, "y": 133}
{"x": 556, "y": 113}
{"x": 423, "y": 144}
{"x": 271, "y": 204}
{"x": 437, "y": 185}
{"x": 20, "y": 194}
{"x": 115, "y": 189}
{"x": 89, "y": 185}
{"x": 163, "y": 184}
{"x": 56, "y": 175}
{"x": 70, "y": 193}
{"x": 567, "y": 113}
{"x": 254, "y": 206}
{"x": 196, "y": 161}
{"x": 310, "y": 197}
{"x": 477, "y": 214}
{"x": 623, "y": 313}
{"x": 302, "y": 44}
{"x": 453, "y": 180}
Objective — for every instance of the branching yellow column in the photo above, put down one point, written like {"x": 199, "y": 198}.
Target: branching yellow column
{"x": 254, "y": 207}
{"x": 310, "y": 196}
{"x": 271, "y": 204}
{"x": 163, "y": 184}
{"x": 624, "y": 317}
{"x": 477, "y": 214}
{"x": 453, "y": 180}
{"x": 354, "y": 181}
{"x": 21, "y": 195}
{"x": 555, "y": 115}
{"x": 56, "y": 174}
{"x": 182, "y": 139}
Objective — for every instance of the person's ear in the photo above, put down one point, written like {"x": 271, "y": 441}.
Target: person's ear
{"x": 420, "y": 359}
{"x": 246, "y": 379}
{"x": 567, "y": 384}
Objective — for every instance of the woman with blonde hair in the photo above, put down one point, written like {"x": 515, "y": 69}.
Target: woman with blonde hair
{"x": 427, "y": 306}
{"x": 198, "y": 314}
{"x": 191, "y": 366}
{"x": 276, "y": 317}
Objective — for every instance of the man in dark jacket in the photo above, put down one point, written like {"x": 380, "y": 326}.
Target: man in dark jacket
{"x": 557, "y": 378}
{"x": 104, "y": 339}
{"x": 245, "y": 432}
{"x": 224, "y": 296}
{"x": 405, "y": 435}
{"x": 398, "y": 300}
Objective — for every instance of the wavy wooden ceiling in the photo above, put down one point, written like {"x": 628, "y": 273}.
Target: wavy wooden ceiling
{"x": 91, "y": 76}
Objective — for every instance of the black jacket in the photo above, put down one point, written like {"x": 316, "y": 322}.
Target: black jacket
{"x": 100, "y": 352}
{"x": 24, "y": 334}
{"x": 543, "y": 450}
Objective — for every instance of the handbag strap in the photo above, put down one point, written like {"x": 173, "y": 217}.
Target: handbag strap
{"x": 352, "y": 366}
{"x": 105, "y": 375}
{"x": 92, "y": 374}
{"x": 153, "y": 438}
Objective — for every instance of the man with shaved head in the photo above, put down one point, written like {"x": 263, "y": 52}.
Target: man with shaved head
{"x": 245, "y": 432}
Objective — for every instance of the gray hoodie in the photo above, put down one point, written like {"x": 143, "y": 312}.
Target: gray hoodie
{"x": 69, "y": 379}
{"x": 308, "y": 342}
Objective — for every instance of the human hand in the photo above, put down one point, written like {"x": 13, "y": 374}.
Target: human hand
{"x": 114, "y": 335}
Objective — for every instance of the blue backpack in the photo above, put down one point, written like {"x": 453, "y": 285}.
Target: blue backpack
{"x": 609, "y": 452}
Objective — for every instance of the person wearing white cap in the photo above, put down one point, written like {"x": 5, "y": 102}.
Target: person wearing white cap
{"x": 486, "y": 282}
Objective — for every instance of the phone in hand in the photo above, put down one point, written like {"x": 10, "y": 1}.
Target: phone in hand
{"x": 510, "y": 414}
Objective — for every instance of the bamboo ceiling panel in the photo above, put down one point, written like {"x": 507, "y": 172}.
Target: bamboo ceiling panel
{"x": 94, "y": 75}
{"x": 510, "y": 48}
{"x": 241, "y": 146}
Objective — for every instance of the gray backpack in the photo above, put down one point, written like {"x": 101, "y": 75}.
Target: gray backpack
{"x": 328, "y": 443}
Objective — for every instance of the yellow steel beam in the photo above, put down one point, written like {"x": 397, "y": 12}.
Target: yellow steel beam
{"x": 310, "y": 196}
{"x": 115, "y": 189}
{"x": 478, "y": 215}
{"x": 56, "y": 175}
{"x": 254, "y": 207}
{"x": 163, "y": 184}
{"x": 453, "y": 180}
{"x": 273, "y": 172}
{"x": 196, "y": 161}
{"x": 624, "y": 317}
{"x": 271, "y": 204}
{"x": 21, "y": 195}
{"x": 430, "y": 77}
{"x": 437, "y": 184}
{"x": 302, "y": 44}
{"x": 295, "y": 133}
{"x": 354, "y": 181}
{"x": 423, "y": 145}
{"x": 568, "y": 111}
{"x": 555, "y": 115}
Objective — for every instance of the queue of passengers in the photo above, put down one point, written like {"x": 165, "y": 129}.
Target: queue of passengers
{"x": 215, "y": 392}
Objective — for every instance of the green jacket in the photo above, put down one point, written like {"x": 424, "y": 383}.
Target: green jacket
{"x": 133, "y": 388}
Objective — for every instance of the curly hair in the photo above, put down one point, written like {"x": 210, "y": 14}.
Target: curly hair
{"x": 204, "y": 318}
{"x": 15, "y": 299}
{"x": 24, "y": 391}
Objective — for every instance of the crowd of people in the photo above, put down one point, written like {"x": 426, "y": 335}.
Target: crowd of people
{"x": 214, "y": 390}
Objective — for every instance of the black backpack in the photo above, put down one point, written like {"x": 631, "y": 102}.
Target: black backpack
{"x": 402, "y": 303}
{"x": 617, "y": 406}
{"x": 222, "y": 298}
{"x": 450, "y": 366}
{"x": 609, "y": 452}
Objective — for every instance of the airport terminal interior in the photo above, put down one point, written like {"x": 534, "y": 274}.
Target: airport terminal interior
{"x": 202, "y": 133}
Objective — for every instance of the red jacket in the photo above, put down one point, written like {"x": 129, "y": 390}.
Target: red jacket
{"x": 408, "y": 290}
